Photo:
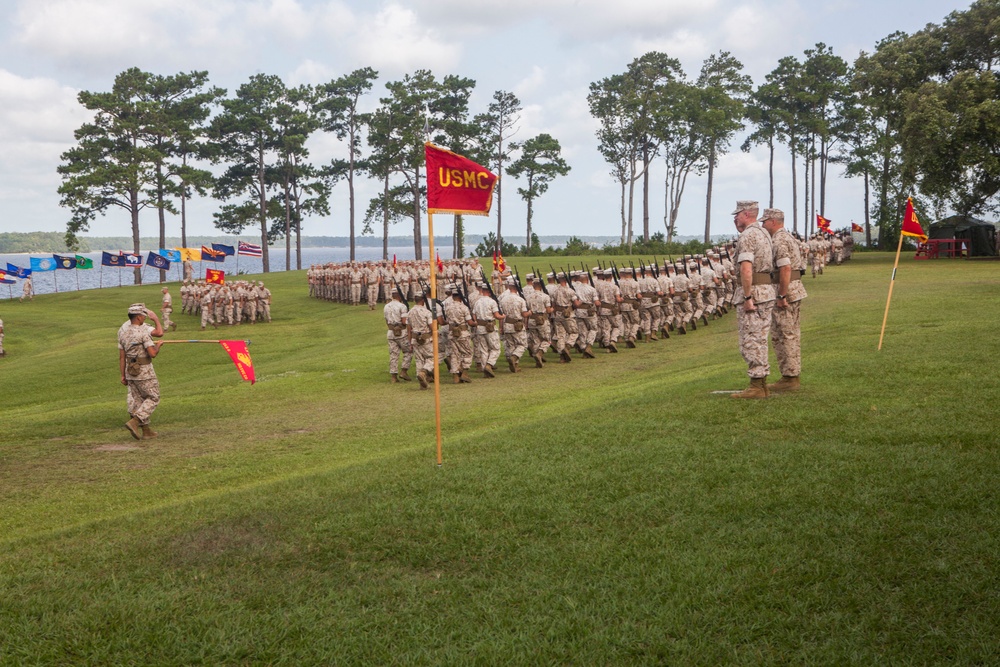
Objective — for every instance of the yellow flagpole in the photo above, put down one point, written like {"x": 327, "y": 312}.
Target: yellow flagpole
{"x": 434, "y": 336}
{"x": 892, "y": 282}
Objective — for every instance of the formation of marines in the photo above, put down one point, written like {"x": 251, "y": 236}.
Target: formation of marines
{"x": 563, "y": 311}
{"x": 237, "y": 302}
{"x": 370, "y": 282}
{"x": 826, "y": 249}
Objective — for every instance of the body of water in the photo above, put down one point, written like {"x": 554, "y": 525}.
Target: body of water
{"x": 104, "y": 276}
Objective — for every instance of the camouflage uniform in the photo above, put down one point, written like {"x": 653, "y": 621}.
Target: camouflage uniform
{"x": 539, "y": 332}
{"x": 515, "y": 337}
{"x": 143, "y": 387}
{"x": 396, "y": 336}
{"x": 629, "y": 308}
{"x": 754, "y": 246}
{"x": 458, "y": 316}
{"x": 419, "y": 322}
{"x": 166, "y": 309}
{"x": 607, "y": 316}
{"x": 487, "y": 346}
{"x": 566, "y": 332}
{"x": 586, "y": 315}
{"x": 785, "y": 331}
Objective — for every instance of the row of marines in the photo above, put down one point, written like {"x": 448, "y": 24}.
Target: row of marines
{"x": 369, "y": 282}
{"x": 573, "y": 311}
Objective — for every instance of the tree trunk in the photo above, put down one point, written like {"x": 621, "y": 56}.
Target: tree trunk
{"x": 812, "y": 172}
{"x": 868, "y": 221}
{"x": 385, "y": 218}
{"x": 288, "y": 225}
{"x": 184, "y": 239}
{"x": 350, "y": 190}
{"x": 265, "y": 258}
{"x": 795, "y": 189}
{"x": 499, "y": 240}
{"x": 708, "y": 195}
{"x": 134, "y": 205}
{"x": 806, "y": 222}
{"x": 162, "y": 215}
{"x": 645, "y": 197}
{"x": 770, "y": 172}
{"x": 823, "y": 161}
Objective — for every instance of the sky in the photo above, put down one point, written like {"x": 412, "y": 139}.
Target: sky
{"x": 547, "y": 52}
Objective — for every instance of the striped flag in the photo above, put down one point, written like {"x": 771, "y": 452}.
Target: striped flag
{"x": 250, "y": 250}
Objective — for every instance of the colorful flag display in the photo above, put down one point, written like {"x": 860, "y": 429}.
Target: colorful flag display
{"x": 210, "y": 255}
{"x": 132, "y": 259}
{"x": 855, "y": 227}
{"x": 172, "y": 255}
{"x": 39, "y": 264}
{"x": 250, "y": 249}
{"x": 189, "y": 254}
{"x": 157, "y": 261}
{"x": 911, "y": 226}
{"x": 8, "y": 281}
{"x": 226, "y": 249}
{"x": 84, "y": 262}
{"x": 237, "y": 350}
{"x": 65, "y": 263}
{"x": 215, "y": 277}
{"x": 456, "y": 184}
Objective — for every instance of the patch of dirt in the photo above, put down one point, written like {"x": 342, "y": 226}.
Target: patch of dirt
{"x": 116, "y": 448}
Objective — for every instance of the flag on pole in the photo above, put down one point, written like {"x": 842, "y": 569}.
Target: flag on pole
{"x": 911, "y": 226}
{"x": 456, "y": 184}
{"x": 822, "y": 222}
{"x": 855, "y": 227}
{"x": 394, "y": 261}
{"x": 189, "y": 254}
{"x": 496, "y": 264}
{"x": 250, "y": 250}
{"x": 215, "y": 277}
{"x": 132, "y": 259}
{"x": 157, "y": 261}
{"x": 110, "y": 259}
{"x": 172, "y": 255}
{"x": 84, "y": 262}
{"x": 212, "y": 255}
{"x": 503, "y": 264}
{"x": 440, "y": 265}
{"x": 65, "y": 263}
{"x": 40, "y": 264}
{"x": 227, "y": 249}
{"x": 18, "y": 271}
{"x": 237, "y": 350}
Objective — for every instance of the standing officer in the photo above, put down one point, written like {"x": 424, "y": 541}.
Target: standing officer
{"x": 754, "y": 296}
{"x": 785, "y": 333}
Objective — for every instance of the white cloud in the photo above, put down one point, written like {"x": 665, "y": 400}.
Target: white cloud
{"x": 394, "y": 39}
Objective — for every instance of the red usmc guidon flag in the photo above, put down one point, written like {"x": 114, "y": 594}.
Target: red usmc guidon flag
{"x": 456, "y": 184}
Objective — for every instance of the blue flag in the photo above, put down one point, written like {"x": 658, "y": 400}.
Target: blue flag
{"x": 172, "y": 255}
{"x": 131, "y": 259}
{"x": 228, "y": 249}
{"x": 65, "y": 262}
{"x": 157, "y": 261}
{"x": 39, "y": 264}
{"x": 18, "y": 271}
{"x": 110, "y": 259}
{"x": 7, "y": 281}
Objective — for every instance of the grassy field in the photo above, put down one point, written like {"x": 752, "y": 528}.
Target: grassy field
{"x": 608, "y": 511}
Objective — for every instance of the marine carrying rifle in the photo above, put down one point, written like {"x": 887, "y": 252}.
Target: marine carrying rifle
{"x": 401, "y": 294}
{"x": 490, "y": 288}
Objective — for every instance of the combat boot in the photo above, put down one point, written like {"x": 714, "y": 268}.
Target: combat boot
{"x": 148, "y": 433}
{"x": 757, "y": 389}
{"x": 652, "y": 336}
{"x": 488, "y": 371}
{"x": 785, "y": 385}
{"x": 403, "y": 375}
{"x": 422, "y": 378}
{"x": 613, "y": 347}
{"x": 393, "y": 378}
{"x": 458, "y": 378}
{"x": 694, "y": 324}
{"x": 681, "y": 330}
{"x": 564, "y": 356}
{"x": 133, "y": 427}
{"x": 704, "y": 319}
{"x": 537, "y": 356}
{"x": 517, "y": 367}
{"x": 510, "y": 364}
{"x": 464, "y": 377}
{"x": 629, "y": 343}
{"x": 588, "y": 352}
{"x": 665, "y": 333}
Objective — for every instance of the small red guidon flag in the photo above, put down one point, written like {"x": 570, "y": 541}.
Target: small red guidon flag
{"x": 911, "y": 226}
{"x": 237, "y": 350}
{"x": 215, "y": 277}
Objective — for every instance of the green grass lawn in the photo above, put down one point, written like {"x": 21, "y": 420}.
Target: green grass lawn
{"x": 608, "y": 511}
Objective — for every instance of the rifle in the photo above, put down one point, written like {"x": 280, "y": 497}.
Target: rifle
{"x": 517, "y": 282}
{"x": 463, "y": 297}
{"x": 614, "y": 274}
{"x": 401, "y": 294}
{"x": 490, "y": 288}
{"x": 656, "y": 267}
{"x": 427, "y": 293}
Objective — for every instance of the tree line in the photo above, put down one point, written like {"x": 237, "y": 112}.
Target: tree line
{"x": 918, "y": 115}
{"x": 156, "y": 141}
